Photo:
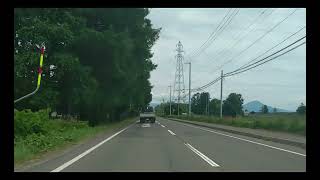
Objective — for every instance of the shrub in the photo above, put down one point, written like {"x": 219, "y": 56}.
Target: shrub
{"x": 27, "y": 122}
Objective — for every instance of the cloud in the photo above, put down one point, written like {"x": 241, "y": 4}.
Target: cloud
{"x": 280, "y": 83}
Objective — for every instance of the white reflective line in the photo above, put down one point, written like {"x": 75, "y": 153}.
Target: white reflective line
{"x": 63, "y": 166}
{"x": 204, "y": 157}
{"x": 162, "y": 126}
{"x": 171, "y": 132}
{"x": 249, "y": 141}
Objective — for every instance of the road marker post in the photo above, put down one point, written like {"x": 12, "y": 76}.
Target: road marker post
{"x": 39, "y": 75}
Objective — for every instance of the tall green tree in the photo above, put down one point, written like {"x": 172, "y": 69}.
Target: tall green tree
{"x": 195, "y": 104}
{"x": 97, "y": 61}
{"x": 200, "y": 103}
{"x": 232, "y": 106}
{"x": 264, "y": 109}
{"x": 215, "y": 107}
{"x": 301, "y": 109}
{"x": 275, "y": 110}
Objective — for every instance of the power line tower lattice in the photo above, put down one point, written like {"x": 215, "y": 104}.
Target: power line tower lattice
{"x": 179, "y": 88}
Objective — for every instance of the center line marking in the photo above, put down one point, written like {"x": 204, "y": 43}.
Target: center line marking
{"x": 171, "y": 132}
{"x": 204, "y": 157}
{"x": 63, "y": 166}
{"x": 242, "y": 139}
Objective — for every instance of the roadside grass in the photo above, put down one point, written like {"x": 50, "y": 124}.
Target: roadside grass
{"x": 282, "y": 122}
{"x": 53, "y": 134}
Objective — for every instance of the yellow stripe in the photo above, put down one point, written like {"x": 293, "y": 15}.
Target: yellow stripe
{"x": 41, "y": 60}
{"x": 39, "y": 79}
{"x": 39, "y": 75}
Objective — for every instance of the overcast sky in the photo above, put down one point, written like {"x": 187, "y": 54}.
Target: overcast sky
{"x": 279, "y": 83}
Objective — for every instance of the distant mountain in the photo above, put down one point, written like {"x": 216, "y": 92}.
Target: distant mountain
{"x": 256, "y": 107}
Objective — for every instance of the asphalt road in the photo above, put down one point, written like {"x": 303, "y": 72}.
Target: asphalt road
{"x": 172, "y": 146}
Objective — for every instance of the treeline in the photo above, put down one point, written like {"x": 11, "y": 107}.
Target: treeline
{"x": 96, "y": 65}
{"x": 202, "y": 104}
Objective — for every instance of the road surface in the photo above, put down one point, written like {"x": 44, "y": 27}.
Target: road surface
{"x": 170, "y": 146}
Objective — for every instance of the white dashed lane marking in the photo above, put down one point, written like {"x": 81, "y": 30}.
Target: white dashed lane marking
{"x": 204, "y": 157}
{"x": 171, "y": 132}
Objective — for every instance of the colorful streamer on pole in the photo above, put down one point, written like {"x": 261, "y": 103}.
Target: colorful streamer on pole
{"x": 39, "y": 76}
{"x": 40, "y": 68}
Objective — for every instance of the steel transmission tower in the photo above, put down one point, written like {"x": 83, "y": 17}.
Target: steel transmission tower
{"x": 179, "y": 88}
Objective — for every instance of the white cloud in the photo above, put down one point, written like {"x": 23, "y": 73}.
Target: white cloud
{"x": 280, "y": 83}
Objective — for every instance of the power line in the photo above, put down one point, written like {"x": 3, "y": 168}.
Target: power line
{"x": 227, "y": 14}
{"x": 217, "y": 35}
{"x": 270, "y": 30}
{"x": 248, "y": 27}
{"x": 232, "y": 74}
{"x": 207, "y": 85}
{"x": 267, "y": 56}
{"x": 269, "y": 59}
{"x": 275, "y": 45}
{"x": 237, "y": 71}
{"x": 239, "y": 40}
{"x": 214, "y": 35}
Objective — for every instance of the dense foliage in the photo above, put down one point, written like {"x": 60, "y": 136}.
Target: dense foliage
{"x": 97, "y": 62}
{"x": 301, "y": 109}
{"x": 201, "y": 104}
{"x": 164, "y": 108}
{"x": 264, "y": 109}
{"x": 232, "y": 106}
{"x": 35, "y": 133}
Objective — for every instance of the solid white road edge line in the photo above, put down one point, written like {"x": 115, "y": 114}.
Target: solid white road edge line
{"x": 171, "y": 132}
{"x": 204, "y": 157}
{"x": 63, "y": 166}
{"x": 249, "y": 141}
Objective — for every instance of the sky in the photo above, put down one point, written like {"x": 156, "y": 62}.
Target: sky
{"x": 279, "y": 83}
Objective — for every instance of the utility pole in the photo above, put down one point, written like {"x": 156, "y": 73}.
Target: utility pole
{"x": 170, "y": 100}
{"x": 221, "y": 95}
{"x": 208, "y": 105}
{"x": 189, "y": 88}
{"x": 163, "y": 108}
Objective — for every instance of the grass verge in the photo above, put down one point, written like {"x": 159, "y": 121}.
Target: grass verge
{"x": 289, "y": 123}
{"x": 52, "y": 135}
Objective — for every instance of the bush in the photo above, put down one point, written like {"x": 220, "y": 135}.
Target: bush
{"x": 35, "y": 133}
{"x": 27, "y": 122}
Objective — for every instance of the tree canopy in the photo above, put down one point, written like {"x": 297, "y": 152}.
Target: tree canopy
{"x": 233, "y": 105}
{"x": 97, "y": 61}
{"x": 199, "y": 103}
{"x": 264, "y": 109}
{"x": 301, "y": 109}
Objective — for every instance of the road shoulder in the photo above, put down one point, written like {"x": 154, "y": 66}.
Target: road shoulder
{"x": 283, "y": 138}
